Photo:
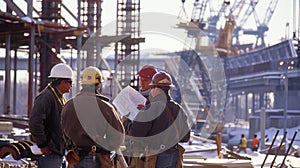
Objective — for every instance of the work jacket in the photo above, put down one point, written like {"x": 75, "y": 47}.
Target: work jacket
{"x": 89, "y": 119}
{"x": 44, "y": 121}
{"x": 255, "y": 142}
{"x": 162, "y": 124}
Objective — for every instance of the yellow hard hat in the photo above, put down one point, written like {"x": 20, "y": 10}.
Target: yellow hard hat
{"x": 90, "y": 76}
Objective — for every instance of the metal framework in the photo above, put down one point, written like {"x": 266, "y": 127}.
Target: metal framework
{"x": 43, "y": 38}
{"x": 128, "y": 23}
{"x": 90, "y": 17}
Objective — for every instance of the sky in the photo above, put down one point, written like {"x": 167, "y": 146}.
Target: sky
{"x": 277, "y": 26}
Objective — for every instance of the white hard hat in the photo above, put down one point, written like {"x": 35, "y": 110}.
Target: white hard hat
{"x": 61, "y": 70}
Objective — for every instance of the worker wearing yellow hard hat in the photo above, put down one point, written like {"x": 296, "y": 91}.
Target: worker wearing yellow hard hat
{"x": 91, "y": 125}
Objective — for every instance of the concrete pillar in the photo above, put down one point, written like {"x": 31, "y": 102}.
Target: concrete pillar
{"x": 7, "y": 75}
{"x": 262, "y": 127}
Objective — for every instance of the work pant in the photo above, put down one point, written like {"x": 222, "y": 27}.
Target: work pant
{"x": 242, "y": 149}
{"x": 51, "y": 160}
{"x": 166, "y": 160}
{"x": 88, "y": 162}
{"x": 255, "y": 148}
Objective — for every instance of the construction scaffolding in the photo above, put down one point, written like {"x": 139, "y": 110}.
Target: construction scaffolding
{"x": 42, "y": 37}
{"x": 128, "y": 23}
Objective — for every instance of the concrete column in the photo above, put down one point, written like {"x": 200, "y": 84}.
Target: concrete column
{"x": 15, "y": 84}
{"x": 7, "y": 75}
{"x": 30, "y": 68}
{"x": 262, "y": 127}
{"x": 246, "y": 107}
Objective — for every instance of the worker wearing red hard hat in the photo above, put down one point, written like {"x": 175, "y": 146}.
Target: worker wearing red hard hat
{"x": 159, "y": 127}
{"x": 145, "y": 76}
{"x": 146, "y": 73}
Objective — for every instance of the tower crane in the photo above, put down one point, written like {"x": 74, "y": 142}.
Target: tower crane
{"x": 197, "y": 18}
{"x": 198, "y": 21}
{"x": 198, "y": 13}
{"x": 240, "y": 12}
{"x": 243, "y": 20}
{"x": 212, "y": 29}
{"x": 262, "y": 27}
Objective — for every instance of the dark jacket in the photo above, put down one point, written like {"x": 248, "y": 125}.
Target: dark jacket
{"x": 89, "y": 119}
{"x": 163, "y": 123}
{"x": 44, "y": 122}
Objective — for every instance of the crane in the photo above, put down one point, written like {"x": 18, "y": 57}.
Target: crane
{"x": 198, "y": 19}
{"x": 262, "y": 27}
{"x": 198, "y": 13}
{"x": 206, "y": 16}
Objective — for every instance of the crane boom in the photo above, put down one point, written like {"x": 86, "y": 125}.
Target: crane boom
{"x": 248, "y": 12}
{"x": 270, "y": 11}
{"x": 198, "y": 12}
{"x": 237, "y": 8}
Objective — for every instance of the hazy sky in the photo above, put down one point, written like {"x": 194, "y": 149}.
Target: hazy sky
{"x": 277, "y": 26}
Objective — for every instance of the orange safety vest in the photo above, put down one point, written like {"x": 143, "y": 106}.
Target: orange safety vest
{"x": 255, "y": 142}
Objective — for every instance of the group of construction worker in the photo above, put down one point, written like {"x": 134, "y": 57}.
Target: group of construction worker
{"x": 87, "y": 131}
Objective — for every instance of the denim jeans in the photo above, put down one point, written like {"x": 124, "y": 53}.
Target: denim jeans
{"x": 51, "y": 160}
{"x": 88, "y": 162}
{"x": 166, "y": 160}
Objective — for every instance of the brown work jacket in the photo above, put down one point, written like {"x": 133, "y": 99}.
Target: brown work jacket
{"x": 89, "y": 119}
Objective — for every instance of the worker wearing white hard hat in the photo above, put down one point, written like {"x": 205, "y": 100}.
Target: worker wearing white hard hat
{"x": 44, "y": 121}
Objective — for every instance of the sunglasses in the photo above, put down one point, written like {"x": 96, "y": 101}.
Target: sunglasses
{"x": 69, "y": 81}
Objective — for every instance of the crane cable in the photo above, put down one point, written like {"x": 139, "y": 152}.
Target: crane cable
{"x": 182, "y": 13}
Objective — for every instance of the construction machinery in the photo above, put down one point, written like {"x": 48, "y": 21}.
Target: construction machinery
{"x": 208, "y": 15}
{"x": 220, "y": 23}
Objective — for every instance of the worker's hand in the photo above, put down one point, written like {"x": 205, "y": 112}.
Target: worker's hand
{"x": 46, "y": 150}
{"x": 140, "y": 106}
{"x": 124, "y": 118}
{"x": 205, "y": 110}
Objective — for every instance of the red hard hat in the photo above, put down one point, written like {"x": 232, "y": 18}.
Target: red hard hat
{"x": 147, "y": 71}
{"x": 161, "y": 78}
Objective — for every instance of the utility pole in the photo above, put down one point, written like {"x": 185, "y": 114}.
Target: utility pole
{"x": 286, "y": 85}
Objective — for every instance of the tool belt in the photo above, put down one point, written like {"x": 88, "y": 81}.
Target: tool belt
{"x": 74, "y": 155}
{"x": 72, "y": 158}
{"x": 84, "y": 151}
{"x": 181, "y": 151}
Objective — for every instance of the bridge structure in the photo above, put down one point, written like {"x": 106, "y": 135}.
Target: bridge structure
{"x": 266, "y": 78}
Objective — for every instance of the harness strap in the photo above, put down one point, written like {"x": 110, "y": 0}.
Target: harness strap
{"x": 62, "y": 100}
